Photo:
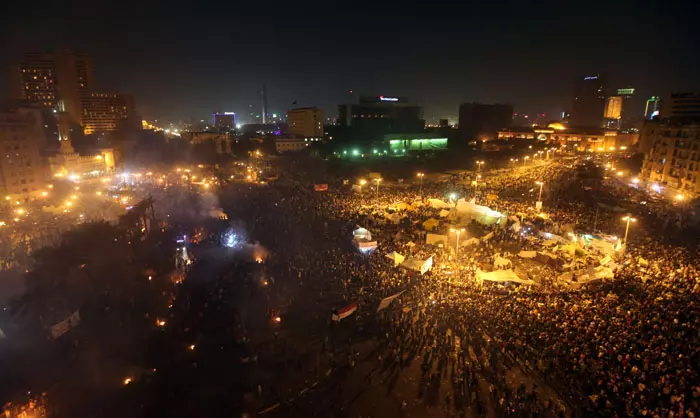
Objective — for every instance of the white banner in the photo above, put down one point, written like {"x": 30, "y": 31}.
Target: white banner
{"x": 387, "y": 301}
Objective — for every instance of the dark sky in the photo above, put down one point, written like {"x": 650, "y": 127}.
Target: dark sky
{"x": 183, "y": 59}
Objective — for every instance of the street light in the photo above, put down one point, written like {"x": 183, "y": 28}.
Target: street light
{"x": 378, "y": 180}
{"x": 628, "y": 219}
{"x": 541, "y": 183}
{"x": 362, "y": 183}
{"x": 458, "y": 231}
{"x": 420, "y": 176}
{"x": 525, "y": 160}
{"x": 680, "y": 197}
{"x": 479, "y": 164}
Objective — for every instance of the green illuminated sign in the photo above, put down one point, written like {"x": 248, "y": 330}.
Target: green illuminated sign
{"x": 417, "y": 144}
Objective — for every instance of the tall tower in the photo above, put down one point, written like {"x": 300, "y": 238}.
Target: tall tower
{"x": 263, "y": 99}
{"x": 589, "y": 101}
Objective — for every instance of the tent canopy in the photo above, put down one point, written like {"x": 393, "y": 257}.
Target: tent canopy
{"x": 438, "y": 204}
{"x": 396, "y": 258}
{"x": 362, "y": 234}
{"x": 431, "y": 224}
{"x": 501, "y": 276}
{"x": 481, "y": 214}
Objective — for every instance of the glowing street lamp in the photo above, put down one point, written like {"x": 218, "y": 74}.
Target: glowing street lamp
{"x": 525, "y": 158}
{"x": 378, "y": 180}
{"x": 540, "y": 183}
{"x": 628, "y": 219}
{"x": 458, "y": 232}
{"x": 420, "y": 176}
{"x": 680, "y": 197}
{"x": 479, "y": 164}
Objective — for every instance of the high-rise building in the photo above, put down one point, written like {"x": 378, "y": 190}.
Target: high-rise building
{"x": 673, "y": 160}
{"x": 484, "y": 119}
{"x": 263, "y": 100}
{"x": 46, "y": 78}
{"x": 22, "y": 170}
{"x": 589, "y": 101}
{"x": 681, "y": 106}
{"x": 305, "y": 122}
{"x": 109, "y": 112}
{"x": 375, "y": 116}
{"x": 613, "y": 112}
{"x": 653, "y": 108}
{"x": 225, "y": 121}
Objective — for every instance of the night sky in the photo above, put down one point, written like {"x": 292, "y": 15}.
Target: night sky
{"x": 184, "y": 60}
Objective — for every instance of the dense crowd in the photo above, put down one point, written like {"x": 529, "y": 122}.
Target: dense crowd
{"x": 625, "y": 347}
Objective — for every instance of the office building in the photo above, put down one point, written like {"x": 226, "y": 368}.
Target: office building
{"x": 681, "y": 107}
{"x": 306, "y": 122}
{"x": 109, "y": 112}
{"x": 375, "y": 116}
{"x": 477, "y": 119}
{"x": 589, "y": 101}
{"x": 225, "y": 121}
{"x": 288, "y": 144}
{"x": 574, "y": 138}
{"x": 46, "y": 78}
{"x": 613, "y": 112}
{"x": 22, "y": 171}
{"x": 672, "y": 164}
{"x": 652, "y": 110}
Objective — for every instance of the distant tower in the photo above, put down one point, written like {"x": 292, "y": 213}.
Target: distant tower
{"x": 63, "y": 119}
{"x": 263, "y": 99}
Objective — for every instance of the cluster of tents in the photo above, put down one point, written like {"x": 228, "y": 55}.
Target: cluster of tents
{"x": 411, "y": 263}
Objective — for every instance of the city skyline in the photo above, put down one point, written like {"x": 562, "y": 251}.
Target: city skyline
{"x": 182, "y": 62}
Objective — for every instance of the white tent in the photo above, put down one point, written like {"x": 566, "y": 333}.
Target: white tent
{"x": 431, "y": 224}
{"x": 416, "y": 264}
{"x": 501, "y": 262}
{"x": 501, "y": 276}
{"x": 444, "y": 213}
{"x": 438, "y": 204}
{"x": 396, "y": 258}
{"x": 398, "y": 206}
{"x": 481, "y": 214}
{"x": 469, "y": 242}
{"x": 435, "y": 238}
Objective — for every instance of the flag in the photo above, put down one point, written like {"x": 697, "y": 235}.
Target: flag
{"x": 387, "y": 301}
{"x": 345, "y": 312}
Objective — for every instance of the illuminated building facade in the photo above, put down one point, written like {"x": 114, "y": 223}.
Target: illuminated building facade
{"x": 22, "y": 169}
{"x": 46, "y": 78}
{"x": 401, "y": 144}
{"x": 589, "y": 101}
{"x": 375, "y": 116}
{"x": 109, "y": 112}
{"x": 225, "y": 121}
{"x": 673, "y": 161}
{"x": 68, "y": 163}
{"x": 478, "y": 119}
{"x": 613, "y": 112}
{"x": 576, "y": 139}
{"x": 284, "y": 145}
{"x": 306, "y": 122}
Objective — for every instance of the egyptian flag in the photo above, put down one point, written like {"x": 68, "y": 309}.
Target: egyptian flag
{"x": 344, "y": 312}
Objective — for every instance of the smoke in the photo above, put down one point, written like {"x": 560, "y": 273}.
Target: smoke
{"x": 184, "y": 205}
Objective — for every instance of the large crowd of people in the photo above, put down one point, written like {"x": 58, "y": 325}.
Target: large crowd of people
{"x": 627, "y": 346}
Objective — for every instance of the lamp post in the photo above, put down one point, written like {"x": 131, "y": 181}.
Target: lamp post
{"x": 527, "y": 157}
{"x": 362, "y": 183}
{"x": 420, "y": 176}
{"x": 541, "y": 183}
{"x": 476, "y": 185}
{"x": 458, "y": 231}
{"x": 479, "y": 164}
{"x": 378, "y": 180}
{"x": 628, "y": 219}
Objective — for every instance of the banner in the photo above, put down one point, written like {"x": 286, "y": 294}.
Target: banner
{"x": 427, "y": 265}
{"x": 321, "y": 187}
{"x": 64, "y": 326}
{"x": 345, "y": 312}
{"x": 387, "y": 301}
